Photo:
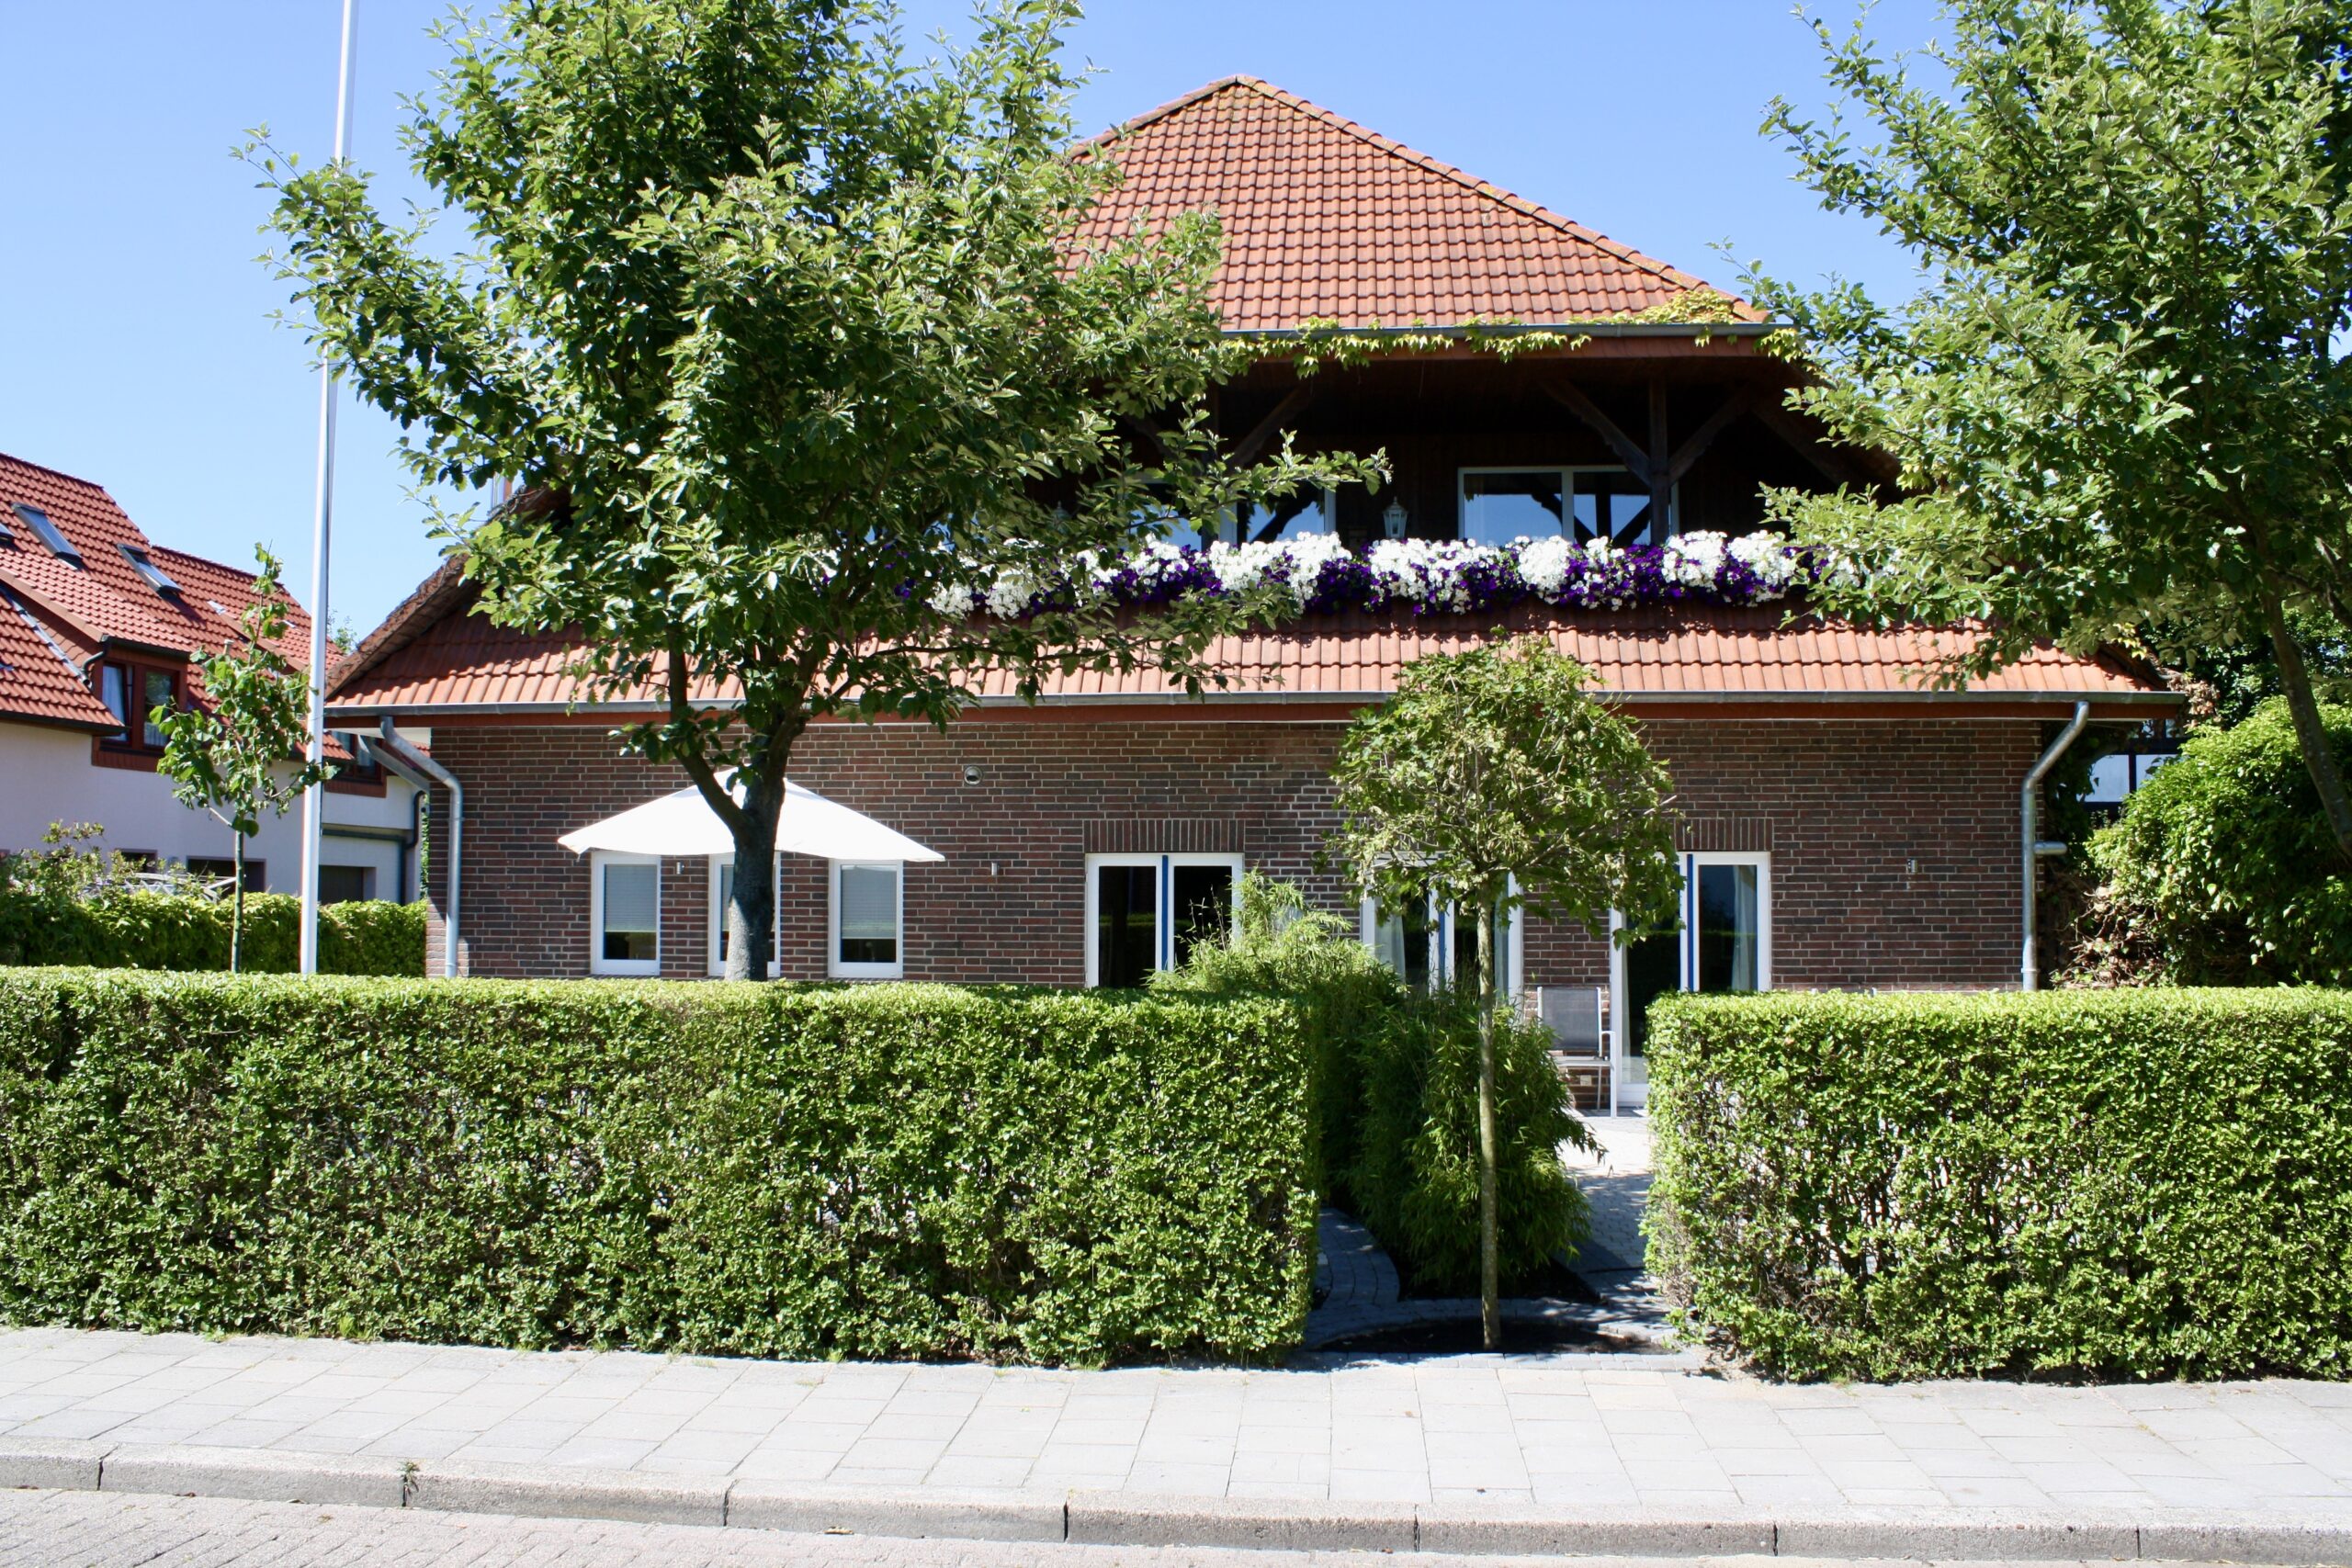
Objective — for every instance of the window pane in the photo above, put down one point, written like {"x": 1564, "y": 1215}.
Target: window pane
{"x": 1203, "y": 906}
{"x": 1653, "y": 968}
{"x": 1127, "y": 923}
{"x": 1465, "y": 948}
{"x": 1404, "y": 941}
{"x": 869, "y": 914}
{"x": 726, "y": 896}
{"x": 1500, "y": 507}
{"x": 1611, "y": 504}
{"x": 344, "y": 883}
{"x": 632, "y": 905}
{"x": 1309, "y": 512}
{"x": 115, "y": 691}
{"x": 156, "y": 691}
{"x": 1727, "y": 928}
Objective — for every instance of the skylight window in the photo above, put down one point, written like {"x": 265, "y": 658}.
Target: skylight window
{"x": 33, "y": 517}
{"x": 147, "y": 568}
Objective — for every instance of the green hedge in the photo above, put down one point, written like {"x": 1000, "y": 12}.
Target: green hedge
{"x": 163, "y": 931}
{"x": 2148, "y": 1183}
{"x": 883, "y": 1171}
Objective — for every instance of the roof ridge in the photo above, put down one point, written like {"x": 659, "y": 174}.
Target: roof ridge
{"x": 1415, "y": 156}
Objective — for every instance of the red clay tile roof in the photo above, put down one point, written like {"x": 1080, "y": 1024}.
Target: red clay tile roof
{"x": 103, "y": 601}
{"x": 460, "y": 662}
{"x": 1326, "y": 221}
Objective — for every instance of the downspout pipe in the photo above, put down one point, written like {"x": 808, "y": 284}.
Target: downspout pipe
{"x": 422, "y": 771}
{"x": 2029, "y": 812}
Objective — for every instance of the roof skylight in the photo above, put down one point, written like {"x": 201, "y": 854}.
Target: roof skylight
{"x": 47, "y": 532}
{"x": 147, "y": 568}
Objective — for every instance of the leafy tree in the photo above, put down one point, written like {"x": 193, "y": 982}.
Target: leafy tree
{"x": 241, "y": 753}
{"x": 789, "y": 344}
{"x": 2119, "y": 399}
{"x": 2217, "y": 871}
{"x": 1494, "y": 765}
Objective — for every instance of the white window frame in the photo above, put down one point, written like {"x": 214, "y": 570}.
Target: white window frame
{"x": 717, "y": 922}
{"x": 834, "y": 966}
{"x": 1163, "y": 958}
{"x": 1567, "y": 472}
{"x": 1686, "y": 949}
{"x": 1441, "y": 932}
{"x": 598, "y": 964}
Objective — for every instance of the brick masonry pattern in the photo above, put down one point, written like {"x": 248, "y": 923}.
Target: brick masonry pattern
{"x": 1893, "y": 843}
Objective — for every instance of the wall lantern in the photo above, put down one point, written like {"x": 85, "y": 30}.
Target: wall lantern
{"x": 1394, "y": 519}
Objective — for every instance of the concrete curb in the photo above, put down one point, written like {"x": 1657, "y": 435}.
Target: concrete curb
{"x": 568, "y": 1492}
{"x": 901, "y": 1513}
{"x": 1128, "y": 1518}
{"x": 254, "y": 1475}
{"x": 53, "y": 1462}
{"x": 1118, "y": 1518}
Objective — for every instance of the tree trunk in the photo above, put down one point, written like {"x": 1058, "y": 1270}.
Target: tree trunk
{"x": 237, "y": 902}
{"x": 2310, "y": 732}
{"x": 751, "y": 913}
{"x": 1490, "y": 1306}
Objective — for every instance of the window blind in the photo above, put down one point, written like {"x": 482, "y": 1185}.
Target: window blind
{"x": 629, "y": 897}
{"x": 869, "y": 902}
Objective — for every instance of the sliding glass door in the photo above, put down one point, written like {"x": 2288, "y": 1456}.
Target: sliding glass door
{"x": 1723, "y": 942}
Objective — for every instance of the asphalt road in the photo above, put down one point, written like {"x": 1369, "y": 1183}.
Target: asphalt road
{"x": 90, "y": 1529}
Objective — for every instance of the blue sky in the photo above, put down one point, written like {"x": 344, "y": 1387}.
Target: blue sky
{"x": 136, "y": 347}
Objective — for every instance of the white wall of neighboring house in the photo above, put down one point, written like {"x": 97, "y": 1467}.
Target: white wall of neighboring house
{"x": 46, "y": 776}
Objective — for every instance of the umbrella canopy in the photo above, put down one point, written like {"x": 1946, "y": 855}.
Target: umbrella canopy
{"x": 683, "y": 824}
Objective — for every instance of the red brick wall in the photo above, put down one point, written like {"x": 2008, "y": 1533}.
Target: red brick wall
{"x": 1893, "y": 843}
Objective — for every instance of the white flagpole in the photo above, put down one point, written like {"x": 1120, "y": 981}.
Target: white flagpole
{"x": 315, "y": 798}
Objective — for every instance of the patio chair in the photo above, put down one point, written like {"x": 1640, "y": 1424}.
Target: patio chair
{"x": 1579, "y": 1044}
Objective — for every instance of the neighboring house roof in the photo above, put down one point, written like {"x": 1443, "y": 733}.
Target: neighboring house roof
{"x": 460, "y": 662}
{"x": 1327, "y": 220}
{"x": 73, "y": 610}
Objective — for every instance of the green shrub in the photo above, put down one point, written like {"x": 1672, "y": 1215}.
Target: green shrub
{"x": 120, "y": 928}
{"x": 897, "y": 1170}
{"x": 1394, "y": 1091}
{"x": 2221, "y": 869}
{"x": 1413, "y": 1176}
{"x": 2142, "y": 1183}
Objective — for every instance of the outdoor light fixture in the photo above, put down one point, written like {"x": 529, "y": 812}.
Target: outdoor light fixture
{"x": 1394, "y": 519}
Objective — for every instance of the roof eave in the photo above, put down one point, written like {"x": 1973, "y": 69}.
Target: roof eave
{"x": 1522, "y": 329}
{"x": 1787, "y": 697}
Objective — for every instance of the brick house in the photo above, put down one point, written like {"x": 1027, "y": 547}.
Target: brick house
{"x": 98, "y": 625}
{"x": 1843, "y": 823}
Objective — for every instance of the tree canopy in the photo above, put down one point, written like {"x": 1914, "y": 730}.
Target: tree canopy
{"x": 785, "y": 339}
{"x": 240, "y": 752}
{"x": 2119, "y": 399}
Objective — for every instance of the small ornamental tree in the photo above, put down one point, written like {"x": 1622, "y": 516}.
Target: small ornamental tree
{"x": 1494, "y": 782}
{"x": 240, "y": 754}
{"x": 2120, "y": 399}
{"x": 789, "y": 344}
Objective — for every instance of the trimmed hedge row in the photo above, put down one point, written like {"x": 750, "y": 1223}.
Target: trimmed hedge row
{"x": 883, "y": 1171}
{"x": 2146, "y": 1184}
{"x": 163, "y": 931}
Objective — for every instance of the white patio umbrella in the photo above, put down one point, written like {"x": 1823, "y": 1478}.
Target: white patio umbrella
{"x": 683, "y": 824}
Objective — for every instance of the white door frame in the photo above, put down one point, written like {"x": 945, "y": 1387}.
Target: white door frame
{"x": 1620, "y": 1056}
